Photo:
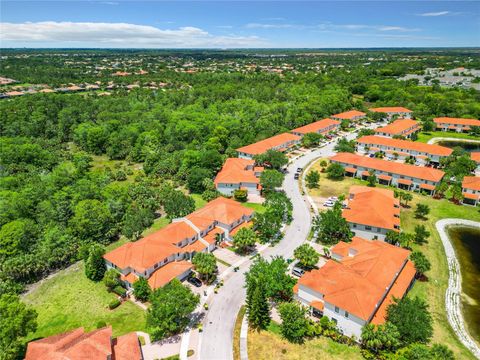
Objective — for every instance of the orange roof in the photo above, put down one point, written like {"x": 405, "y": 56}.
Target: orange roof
{"x": 47, "y": 91}
{"x": 391, "y": 109}
{"x": 471, "y": 196}
{"x": 475, "y": 156}
{"x": 373, "y": 207}
{"x": 196, "y": 246}
{"x": 168, "y": 272}
{"x": 234, "y": 171}
{"x": 130, "y": 277}
{"x": 78, "y": 345}
{"x": 14, "y": 93}
{"x": 405, "y": 145}
{"x": 246, "y": 224}
{"x": 385, "y": 177}
{"x": 319, "y": 305}
{"x": 211, "y": 237}
{"x": 398, "y": 289}
{"x": 127, "y": 347}
{"x": 418, "y": 172}
{"x": 349, "y": 114}
{"x": 320, "y": 126}
{"x": 427, "y": 187}
{"x": 223, "y": 210}
{"x": 471, "y": 182}
{"x": 457, "y": 121}
{"x": 351, "y": 170}
{"x": 404, "y": 181}
{"x": 275, "y": 141}
{"x": 398, "y": 127}
{"x": 358, "y": 283}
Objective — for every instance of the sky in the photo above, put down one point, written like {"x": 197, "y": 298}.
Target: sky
{"x": 239, "y": 24}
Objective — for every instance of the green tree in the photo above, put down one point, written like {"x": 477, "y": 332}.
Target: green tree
{"x": 244, "y": 239}
{"x": 258, "y": 309}
{"x": 344, "y": 145}
{"x": 267, "y": 225}
{"x": 196, "y": 179}
{"x": 441, "y": 352}
{"x": 205, "y": 264}
{"x": 240, "y": 195}
{"x": 335, "y": 171}
{"x": 310, "y": 140}
{"x": 273, "y": 158}
{"x": 421, "y": 211}
{"x": 16, "y": 237}
{"x": 306, "y": 255}
{"x": 176, "y": 204}
{"x": 380, "y": 337}
{"x": 16, "y": 322}
{"x": 371, "y": 179}
{"x": 294, "y": 321}
{"x": 136, "y": 220}
{"x": 141, "y": 289}
{"x": 170, "y": 311}
{"x": 111, "y": 279}
{"x": 312, "y": 178}
{"x": 412, "y": 319}
{"x": 422, "y": 265}
{"x": 92, "y": 222}
{"x": 331, "y": 227}
{"x": 95, "y": 264}
{"x": 271, "y": 179}
{"x": 421, "y": 234}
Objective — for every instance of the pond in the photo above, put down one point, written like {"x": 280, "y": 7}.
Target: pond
{"x": 468, "y": 146}
{"x": 466, "y": 241}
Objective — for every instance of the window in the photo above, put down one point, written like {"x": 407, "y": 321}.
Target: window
{"x": 368, "y": 228}
{"x": 346, "y": 314}
{"x": 354, "y": 225}
{"x": 337, "y": 310}
{"x": 334, "y": 320}
{"x": 378, "y": 229}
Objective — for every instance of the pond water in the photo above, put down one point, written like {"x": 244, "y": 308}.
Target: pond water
{"x": 468, "y": 146}
{"x": 466, "y": 241}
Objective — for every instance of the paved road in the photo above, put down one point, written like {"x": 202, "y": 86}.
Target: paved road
{"x": 217, "y": 336}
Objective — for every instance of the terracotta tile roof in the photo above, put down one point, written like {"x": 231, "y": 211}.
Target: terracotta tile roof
{"x": 275, "y": 141}
{"x": 359, "y": 283}
{"x": 385, "y": 177}
{"x": 127, "y": 347}
{"x": 471, "y": 182}
{"x": 196, "y": 246}
{"x": 404, "y": 145}
{"x": 168, "y": 272}
{"x": 247, "y": 224}
{"x": 372, "y": 207}
{"x": 78, "y": 345}
{"x": 424, "y": 173}
{"x": 317, "y": 127}
{"x": 457, "y": 121}
{"x": 223, "y": 210}
{"x": 14, "y": 93}
{"x": 391, "y": 109}
{"x": 475, "y": 156}
{"x": 398, "y": 127}
{"x": 319, "y": 305}
{"x": 211, "y": 237}
{"x": 398, "y": 290}
{"x": 349, "y": 114}
{"x": 130, "y": 277}
{"x": 234, "y": 171}
{"x": 404, "y": 181}
{"x": 471, "y": 196}
{"x": 427, "y": 187}
{"x": 351, "y": 170}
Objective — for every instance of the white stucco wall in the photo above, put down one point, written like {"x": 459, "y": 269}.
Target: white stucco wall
{"x": 350, "y": 326}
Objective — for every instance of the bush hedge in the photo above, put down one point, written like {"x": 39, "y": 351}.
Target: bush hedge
{"x": 120, "y": 291}
{"x": 114, "y": 304}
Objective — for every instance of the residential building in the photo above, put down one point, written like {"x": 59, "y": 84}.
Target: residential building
{"x": 403, "y": 176}
{"x": 400, "y": 127}
{"x": 394, "y": 111}
{"x": 476, "y": 157}
{"x": 279, "y": 142}
{"x": 164, "y": 255}
{"x": 239, "y": 174}
{"x": 79, "y": 345}
{"x": 322, "y": 127}
{"x": 455, "y": 124}
{"x": 402, "y": 149}
{"x": 372, "y": 212}
{"x": 352, "y": 115}
{"x": 471, "y": 190}
{"x": 356, "y": 288}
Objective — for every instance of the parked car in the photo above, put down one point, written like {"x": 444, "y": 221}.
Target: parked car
{"x": 332, "y": 198}
{"x": 296, "y": 176}
{"x": 329, "y": 204}
{"x": 298, "y": 271}
{"x": 299, "y": 170}
{"x": 194, "y": 281}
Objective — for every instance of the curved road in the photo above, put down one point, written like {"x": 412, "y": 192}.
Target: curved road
{"x": 216, "y": 339}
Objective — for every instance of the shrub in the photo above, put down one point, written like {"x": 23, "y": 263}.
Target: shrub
{"x": 114, "y": 304}
{"x": 240, "y": 195}
{"x": 119, "y": 291}
{"x": 102, "y": 323}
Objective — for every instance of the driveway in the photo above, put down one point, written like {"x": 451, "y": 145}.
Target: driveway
{"x": 216, "y": 340}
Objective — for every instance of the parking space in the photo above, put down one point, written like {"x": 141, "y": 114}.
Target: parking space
{"x": 227, "y": 256}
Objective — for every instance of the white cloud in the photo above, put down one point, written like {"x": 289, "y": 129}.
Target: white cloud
{"x": 439, "y": 13}
{"x": 330, "y": 26}
{"x": 272, "y": 26}
{"x": 117, "y": 35}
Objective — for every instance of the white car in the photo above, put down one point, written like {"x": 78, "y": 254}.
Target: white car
{"x": 332, "y": 198}
{"x": 329, "y": 204}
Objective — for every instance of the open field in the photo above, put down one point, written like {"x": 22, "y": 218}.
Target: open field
{"x": 425, "y": 136}
{"x": 432, "y": 290}
{"x": 69, "y": 300}
{"x": 266, "y": 345}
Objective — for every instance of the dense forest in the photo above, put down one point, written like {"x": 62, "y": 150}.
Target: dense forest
{"x": 54, "y": 199}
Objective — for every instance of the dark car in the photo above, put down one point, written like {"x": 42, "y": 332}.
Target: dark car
{"x": 296, "y": 176}
{"x": 194, "y": 281}
{"x": 299, "y": 170}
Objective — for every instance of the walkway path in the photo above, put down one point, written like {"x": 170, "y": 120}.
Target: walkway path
{"x": 454, "y": 289}
{"x": 437, "y": 139}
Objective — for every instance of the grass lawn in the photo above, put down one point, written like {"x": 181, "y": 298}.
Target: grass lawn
{"x": 270, "y": 345}
{"x": 259, "y": 208}
{"x": 425, "y": 136}
{"x": 199, "y": 202}
{"x": 69, "y": 300}
{"x": 433, "y": 290}
{"x": 236, "y": 333}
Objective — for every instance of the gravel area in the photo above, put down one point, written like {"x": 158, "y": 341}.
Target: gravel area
{"x": 454, "y": 290}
